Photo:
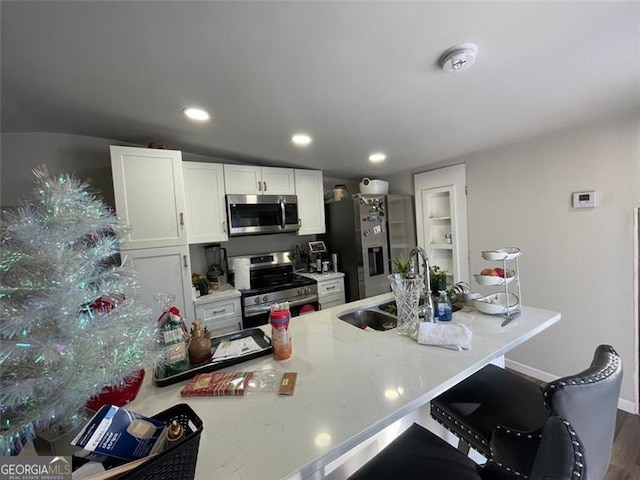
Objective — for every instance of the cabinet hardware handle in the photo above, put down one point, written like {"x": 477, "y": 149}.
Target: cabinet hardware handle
{"x": 224, "y": 226}
{"x": 184, "y": 258}
{"x": 299, "y": 222}
{"x": 181, "y": 219}
{"x": 331, "y": 288}
{"x": 265, "y": 186}
{"x": 259, "y": 186}
{"x": 217, "y": 312}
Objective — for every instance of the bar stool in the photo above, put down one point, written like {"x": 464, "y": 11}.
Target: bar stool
{"x": 496, "y": 400}
{"x": 418, "y": 454}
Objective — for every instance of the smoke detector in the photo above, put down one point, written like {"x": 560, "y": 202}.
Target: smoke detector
{"x": 459, "y": 57}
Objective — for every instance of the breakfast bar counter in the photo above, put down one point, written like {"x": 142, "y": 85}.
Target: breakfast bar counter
{"x": 352, "y": 383}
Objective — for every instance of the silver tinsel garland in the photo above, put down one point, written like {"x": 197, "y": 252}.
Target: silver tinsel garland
{"x": 58, "y": 255}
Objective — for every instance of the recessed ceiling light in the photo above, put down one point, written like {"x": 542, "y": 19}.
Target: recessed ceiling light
{"x": 197, "y": 114}
{"x": 301, "y": 139}
{"x": 377, "y": 157}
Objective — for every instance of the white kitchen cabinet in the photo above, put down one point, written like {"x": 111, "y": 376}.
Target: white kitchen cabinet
{"x": 253, "y": 180}
{"x": 205, "y": 203}
{"x": 149, "y": 196}
{"x": 330, "y": 292}
{"x": 163, "y": 269}
{"x": 310, "y": 192}
{"x": 441, "y": 220}
{"x": 220, "y": 316}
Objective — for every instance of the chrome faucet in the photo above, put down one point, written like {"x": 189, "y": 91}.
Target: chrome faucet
{"x": 427, "y": 307}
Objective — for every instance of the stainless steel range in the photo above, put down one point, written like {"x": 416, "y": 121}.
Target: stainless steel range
{"x": 273, "y": 280}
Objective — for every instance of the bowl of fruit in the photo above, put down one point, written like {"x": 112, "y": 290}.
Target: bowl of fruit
{"x": 495, "y": 276}
{"x": 508, "y": 253}
{"x": 495, "y": 304}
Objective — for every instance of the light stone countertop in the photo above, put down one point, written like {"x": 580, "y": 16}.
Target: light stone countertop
{"x": 342, "y": 395}
{"x": 217, "y": 295}
{"x": 321, "y": 277}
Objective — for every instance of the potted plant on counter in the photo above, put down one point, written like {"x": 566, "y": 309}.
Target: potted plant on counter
{"x": 438, "y": 279}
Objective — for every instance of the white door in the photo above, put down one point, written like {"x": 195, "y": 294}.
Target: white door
{"x": 278, "y": 181}
{"x": 309, "y": 189}
{"x": 163, "y": 270}
{"x": 149, "y": 196}
{"x": 441, "y": 219}
{"x": 204, "y": 192}
{"x": 242, "y": 180}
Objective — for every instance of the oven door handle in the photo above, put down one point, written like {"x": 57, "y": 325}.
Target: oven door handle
{"x": 254, "y": 310}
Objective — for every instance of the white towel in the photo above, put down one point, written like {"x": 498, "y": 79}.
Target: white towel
{"x": 455, "y": 336}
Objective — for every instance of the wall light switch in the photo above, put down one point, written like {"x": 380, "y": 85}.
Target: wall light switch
{"x": 584, "y": 199}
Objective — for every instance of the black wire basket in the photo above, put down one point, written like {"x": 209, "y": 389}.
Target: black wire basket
{"x": 178, "y": 462}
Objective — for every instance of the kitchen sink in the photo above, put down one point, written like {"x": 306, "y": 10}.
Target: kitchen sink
{"x": 370, "y": 318}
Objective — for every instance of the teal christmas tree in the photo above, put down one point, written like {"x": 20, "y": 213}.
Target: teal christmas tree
{"x": 58, "y": 263}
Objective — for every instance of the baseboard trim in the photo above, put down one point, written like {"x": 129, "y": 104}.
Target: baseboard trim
{"x": 625, "y": 405}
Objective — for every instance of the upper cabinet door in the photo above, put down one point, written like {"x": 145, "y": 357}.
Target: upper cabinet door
{"x": 309, "y": 189}
{"x": 250, "y": 180}
{"x": 204, "y": 193}
{"x": 149, "y": 196}
{"x": 242, "y": 180}
{"x": 278, "y": 181}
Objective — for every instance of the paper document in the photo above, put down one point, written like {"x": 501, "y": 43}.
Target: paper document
{"x": 235, "y": 348}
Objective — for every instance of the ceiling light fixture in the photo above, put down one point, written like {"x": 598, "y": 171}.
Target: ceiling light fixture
{"x": 459, "y": 57}
{"x": 377, "y": 157}
{"x": 197, "y": 114}
{"x": 301, "y": 139}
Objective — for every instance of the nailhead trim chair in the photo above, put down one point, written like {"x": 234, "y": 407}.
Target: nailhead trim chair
{"x": 493, "y": 407}
{"x": 419, "y": 454}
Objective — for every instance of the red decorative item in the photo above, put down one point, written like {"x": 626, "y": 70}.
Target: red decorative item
{"x": 118, "y": 395}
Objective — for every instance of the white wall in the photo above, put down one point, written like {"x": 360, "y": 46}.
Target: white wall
{"x": 577, "y": 262}
{"x": 86, "y": 157}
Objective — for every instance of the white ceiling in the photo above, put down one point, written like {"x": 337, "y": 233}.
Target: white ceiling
{"x": 358, "y": 76}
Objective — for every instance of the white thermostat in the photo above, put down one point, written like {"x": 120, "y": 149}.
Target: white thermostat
{"x": 584, "y": 199}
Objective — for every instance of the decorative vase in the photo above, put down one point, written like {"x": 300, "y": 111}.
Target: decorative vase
{"x": 200, "y": 343}
{"x": 407, "y": 294}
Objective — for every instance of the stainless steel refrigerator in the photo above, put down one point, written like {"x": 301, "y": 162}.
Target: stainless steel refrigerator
{"x": 368, "y": 232}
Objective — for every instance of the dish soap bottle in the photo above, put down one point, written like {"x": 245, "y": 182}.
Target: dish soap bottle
{"x": 444, "y": 307}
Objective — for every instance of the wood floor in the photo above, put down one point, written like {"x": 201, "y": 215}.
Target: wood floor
{"x": 625, "y": 459}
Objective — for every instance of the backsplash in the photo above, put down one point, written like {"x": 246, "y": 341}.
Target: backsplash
{"x": 248, "y": 246}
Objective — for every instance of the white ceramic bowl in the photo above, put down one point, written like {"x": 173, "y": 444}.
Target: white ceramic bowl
{"x": 494, "y": 280}
{"x": 508, "y": 253}
{"x": 374, "y": 187}
{"x": 495, "y": 304}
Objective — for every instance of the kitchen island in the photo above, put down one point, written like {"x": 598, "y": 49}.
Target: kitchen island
{"x": 352, "y": 383}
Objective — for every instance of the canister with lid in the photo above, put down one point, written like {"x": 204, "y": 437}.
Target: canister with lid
{"x": 280, "y": 335}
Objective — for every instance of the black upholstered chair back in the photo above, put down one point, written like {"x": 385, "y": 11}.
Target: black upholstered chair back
{"x": 589, "y": 400}
{"x": 560, "y": 453}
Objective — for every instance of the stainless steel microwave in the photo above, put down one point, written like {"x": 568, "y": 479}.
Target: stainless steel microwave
{"x": 261, "y": 214}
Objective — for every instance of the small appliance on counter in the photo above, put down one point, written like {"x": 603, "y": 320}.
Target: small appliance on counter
{"x": 318, "y": 255}
{"x": 216, "y": 257}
